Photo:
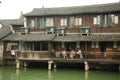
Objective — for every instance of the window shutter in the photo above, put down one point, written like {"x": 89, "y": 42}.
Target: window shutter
{"x": 65, "y": 22}
{"x": 80, "y": 21}
{"x": 110, "y": 20}
{"x": 95, "y": 21}
{"x": 25, "y": 22}
{"x": 61, "y": 22}
{"x": 71, "y": 22}
{"x": 51, "y": 21}
{"x": 76, "y": 21}
{"x": 98, "y": 19}
{"x": 116, "y": 19}
{"x": 40, "y": 23}
{"x": 32, "y": 23}
{"x": 47, "y": 22}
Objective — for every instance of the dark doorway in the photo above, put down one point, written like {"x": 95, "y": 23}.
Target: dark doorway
{"x": 70, "y": 45}
{"x": 36, "y": 46}
{"x": 103, "y": 47}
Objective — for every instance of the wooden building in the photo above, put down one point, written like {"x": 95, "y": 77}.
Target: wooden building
{"x": 95, "y": 29}
{"x": 7, "y": 27}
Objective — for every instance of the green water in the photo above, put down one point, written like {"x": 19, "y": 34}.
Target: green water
{"x": 10, "y": 73}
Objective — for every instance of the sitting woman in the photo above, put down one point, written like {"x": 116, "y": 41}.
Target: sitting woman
{"x": 72, "y": 54}
{"x": 64, "y": 54}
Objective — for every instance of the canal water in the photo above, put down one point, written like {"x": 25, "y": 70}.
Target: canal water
{"x": 10, "y": 73}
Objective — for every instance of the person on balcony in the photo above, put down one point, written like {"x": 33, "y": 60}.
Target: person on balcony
{"x": 64, "y": 54}
{"x": 13, "y": 53}
{"x": 80, "y": 53}
{"x": 72, "y": 54}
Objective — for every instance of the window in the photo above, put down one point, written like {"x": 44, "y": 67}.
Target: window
{"x": 97, "y": 20}
{"x": 25, "y": 22}
{"x": 32, "y": 23}
{"x": 50, "y": 30}
{"x": 60, "y": 31}
{"x": 71, "y": 22}
{"x": 10, "y": 46}
{"x": 105, "y": 20}
{"x": 49, "y": 22}
{"x": 63, "y": 22}
{"x": 40, "y": 23}
{"x": 85, "y": 31}
{"x": 78, "y": 21}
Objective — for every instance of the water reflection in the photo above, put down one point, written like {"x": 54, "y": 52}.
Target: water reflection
{"x": 10, "y": 73}
{"x": 86, "y": 75}
{"x": 49, "y": 75}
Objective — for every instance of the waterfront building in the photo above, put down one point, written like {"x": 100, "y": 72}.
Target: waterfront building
{"x": 7, "y": 27}
{"x": 93, "y": 29}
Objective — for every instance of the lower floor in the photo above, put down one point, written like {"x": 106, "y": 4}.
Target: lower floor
{"x": 47, "y": 49}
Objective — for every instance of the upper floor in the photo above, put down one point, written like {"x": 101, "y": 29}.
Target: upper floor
{"x": 103, "y": 18}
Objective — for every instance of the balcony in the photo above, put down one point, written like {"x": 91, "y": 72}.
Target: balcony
{"x": 57, "y": 56}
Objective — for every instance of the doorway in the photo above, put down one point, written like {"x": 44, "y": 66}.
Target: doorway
{"x": 103, "y": 47}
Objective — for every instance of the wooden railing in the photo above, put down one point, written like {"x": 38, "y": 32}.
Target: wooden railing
{"x": 39, "y": 55}
{"x": 33, "y": 55}
{"x": 45, "y": 55}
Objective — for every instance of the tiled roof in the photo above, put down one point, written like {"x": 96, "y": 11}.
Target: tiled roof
{"x": 66, "y": 38}
{"x": 29, "y": 37}
{"x": 101, "y": 8}
{"x": 4, "y": 31}
{"x": 95, "y": 37}
{"x": 7, "y": 22}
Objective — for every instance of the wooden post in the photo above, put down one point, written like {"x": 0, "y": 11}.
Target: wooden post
{"x": 85, "y": 50}
{"x": 86, "y": 66}
{"x": 77, "y": 44}
{"x": 49, "y": 49}
{"x": 50, "y": 65}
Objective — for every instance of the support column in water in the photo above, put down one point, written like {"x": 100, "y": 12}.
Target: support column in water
{"x": 50, "y": 65}
{"x": 86, "y": 66}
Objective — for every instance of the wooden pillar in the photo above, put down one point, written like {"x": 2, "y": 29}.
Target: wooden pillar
{"x": 40, "y": 46}
{"x": 85, "y": 50}
{"x": 49, "y": 46}
{"x": 77, "y": 44}
{"x": 86, "y": 66}
{"x": 17, "y": 64}
{"x": 63, "y": 45}
{"x": 50, "y": 65}
{"x": 49, "y": 49}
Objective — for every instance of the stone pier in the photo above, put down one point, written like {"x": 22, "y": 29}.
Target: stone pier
{"x": 50, "y": 65}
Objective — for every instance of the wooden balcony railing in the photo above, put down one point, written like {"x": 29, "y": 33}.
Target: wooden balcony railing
{"x": 37, "y": 55}
{"x": 45, "y": 55}
{"x": 40, "y": 55}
